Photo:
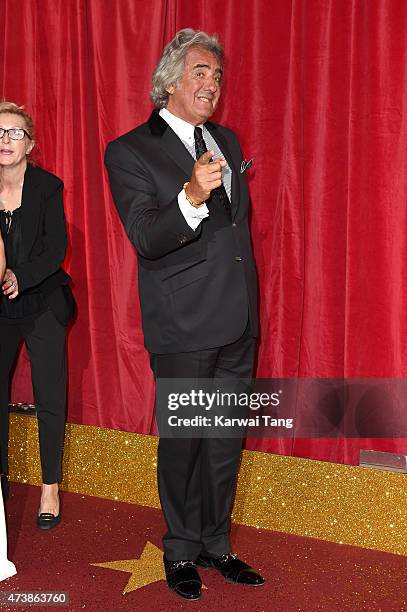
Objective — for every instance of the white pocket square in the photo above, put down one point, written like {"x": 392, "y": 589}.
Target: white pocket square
{"x": 245, "y": 165}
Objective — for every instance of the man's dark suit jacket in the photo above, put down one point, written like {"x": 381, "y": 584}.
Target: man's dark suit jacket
{"x": 197, "y": 288}
{"x": 44, "y": 236}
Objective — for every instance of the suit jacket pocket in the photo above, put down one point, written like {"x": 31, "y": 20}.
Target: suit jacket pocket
{"x": 185, "y": 277}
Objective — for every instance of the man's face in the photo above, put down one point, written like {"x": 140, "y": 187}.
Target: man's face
{"x": 196, "y": 96}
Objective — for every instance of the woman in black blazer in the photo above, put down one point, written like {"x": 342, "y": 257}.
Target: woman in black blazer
{"x": 35, "y": 302}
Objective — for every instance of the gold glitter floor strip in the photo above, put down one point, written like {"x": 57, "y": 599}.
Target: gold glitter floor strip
{"x": 338, "y": 503}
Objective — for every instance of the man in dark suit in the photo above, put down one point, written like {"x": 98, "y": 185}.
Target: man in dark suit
{"x": 180, "y": 190}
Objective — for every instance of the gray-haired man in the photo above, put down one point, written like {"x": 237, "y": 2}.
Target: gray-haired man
{"x": 177, "y": 185}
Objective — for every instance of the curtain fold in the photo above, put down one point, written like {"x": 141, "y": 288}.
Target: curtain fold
{"x": 317, "y": 92}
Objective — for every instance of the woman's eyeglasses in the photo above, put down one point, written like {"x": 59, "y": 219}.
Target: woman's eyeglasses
{"x": 14, "y": 133}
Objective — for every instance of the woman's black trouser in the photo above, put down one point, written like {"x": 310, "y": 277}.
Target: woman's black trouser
{"x": 45, "y": 340}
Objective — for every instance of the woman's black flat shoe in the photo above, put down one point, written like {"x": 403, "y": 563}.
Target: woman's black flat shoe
{"x": 46, "y": 520}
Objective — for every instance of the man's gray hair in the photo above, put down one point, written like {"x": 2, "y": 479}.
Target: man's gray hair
{"x": 171, "y": 64}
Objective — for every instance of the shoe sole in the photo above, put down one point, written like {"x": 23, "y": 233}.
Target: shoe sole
{"x": 183, "y": 596}
{"x": 207, "y": 567}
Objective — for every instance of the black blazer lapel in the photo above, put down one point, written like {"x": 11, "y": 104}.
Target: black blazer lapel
{"x": 30, "y": 208}
{"x": 170, "y": 143}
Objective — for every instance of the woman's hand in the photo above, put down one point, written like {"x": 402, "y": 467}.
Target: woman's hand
{"x": 10, "y": 284}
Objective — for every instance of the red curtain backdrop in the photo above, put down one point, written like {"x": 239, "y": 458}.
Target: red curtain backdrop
{"x": 317, "y": 92}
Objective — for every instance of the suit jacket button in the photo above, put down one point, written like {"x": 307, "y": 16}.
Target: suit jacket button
{"x": 233, "y": 224}
{"x": 237, "y": 258}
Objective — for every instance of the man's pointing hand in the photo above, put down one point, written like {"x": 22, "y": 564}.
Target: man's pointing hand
{"x": 206, "y": 176}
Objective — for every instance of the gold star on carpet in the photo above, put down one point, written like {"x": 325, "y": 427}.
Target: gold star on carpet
{"x": 145, "y": 570}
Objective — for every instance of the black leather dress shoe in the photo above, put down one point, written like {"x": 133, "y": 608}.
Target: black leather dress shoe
{"x": 46, "y": 520}
{"x": 232, "y": 568}
{"x": 183, "y": 579}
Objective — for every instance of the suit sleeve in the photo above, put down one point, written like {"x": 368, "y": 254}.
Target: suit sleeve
{"x": 154, "y": 230}
{"x": 46, "y": 260}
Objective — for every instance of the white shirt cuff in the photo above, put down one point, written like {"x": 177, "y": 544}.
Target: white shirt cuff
{"x": 193, "y": 216}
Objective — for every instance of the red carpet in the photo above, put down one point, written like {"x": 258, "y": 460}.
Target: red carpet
{"x": 302, "y": 574}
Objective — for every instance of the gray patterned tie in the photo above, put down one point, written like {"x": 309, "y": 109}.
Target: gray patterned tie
{"x": 200, "y": 149}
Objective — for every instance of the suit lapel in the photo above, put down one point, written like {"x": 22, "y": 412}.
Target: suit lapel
{"x": 30, "y": 207}
{"x": 171, "y": 144}
{"x": 215, "y": 133}
{"x": 177, "y": 151}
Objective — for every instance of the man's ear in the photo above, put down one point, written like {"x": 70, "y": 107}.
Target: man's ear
{"x": 171, "y": 89}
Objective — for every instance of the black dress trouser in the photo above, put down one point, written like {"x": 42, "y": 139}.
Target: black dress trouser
{"x": 197, "y": 476}
{"x": 45, "y": 340}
